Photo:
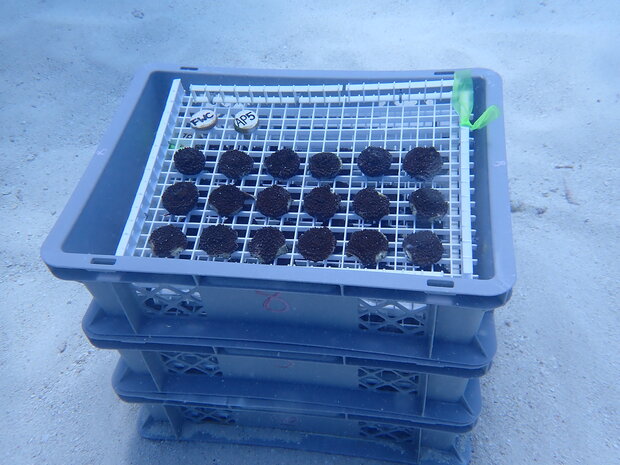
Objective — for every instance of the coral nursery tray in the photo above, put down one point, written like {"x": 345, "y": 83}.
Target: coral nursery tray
{"x": 104, "y": 230}
{"x": 343, "y": 120}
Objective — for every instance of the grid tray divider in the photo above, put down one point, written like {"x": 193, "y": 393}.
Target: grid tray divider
{"x": 465, "y": 205}
{"x": 312, "y": 118}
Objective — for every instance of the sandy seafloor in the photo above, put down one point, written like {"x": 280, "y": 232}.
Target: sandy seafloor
{"x": 552, "y": 396}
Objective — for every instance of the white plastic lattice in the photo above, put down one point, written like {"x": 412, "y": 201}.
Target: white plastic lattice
{"x": 343, "y": 119}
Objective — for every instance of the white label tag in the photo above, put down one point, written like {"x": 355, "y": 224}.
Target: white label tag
{"x": 204, "y": 119}
{"x": 246, "y": 121}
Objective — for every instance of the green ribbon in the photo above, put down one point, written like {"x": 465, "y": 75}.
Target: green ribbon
{"x": 463, "y": 102}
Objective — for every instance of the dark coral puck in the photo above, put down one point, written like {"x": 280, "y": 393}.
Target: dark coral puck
{"x": 371, "y": 205}
{"x": 317, "y": 244}
{"x": 227, "y": 200}
{"x": 428, "y": 203}
{"x": 423, "y": 163}
{"x": 180, "y": 198}
{"x": 219, "y": 241}
{"x": 374, "y": 161}
{"x": 368, "y": 246}
{"x": 324, "y": 165}
{"x": 235, "y": 164}
{"x": 273, "y": 202}
{"x": 321, "y": 203}
{"x": 167, "y": 241}
{"x": 189, "y": 161}
{"x": 282, "y": 164}
{"x": 267, "y": 244}
{"x": 423, "y": 248}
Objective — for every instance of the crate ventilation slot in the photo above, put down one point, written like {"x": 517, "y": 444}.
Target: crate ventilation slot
{"x": 377, "y": 379}
{"x": 388, "y": 432}
{"x": 169, "y": 300}
{"x": 191, "y": 364}
{"x": 208, "y": 415}
{"x": 392, "y": 316}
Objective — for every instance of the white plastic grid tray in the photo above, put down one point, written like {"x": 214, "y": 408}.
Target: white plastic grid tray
{"x": 343, "y": 119}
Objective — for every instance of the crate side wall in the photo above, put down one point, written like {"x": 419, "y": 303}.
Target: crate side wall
{"x": 100, "y": 223}
{"x": 200, "y": 367}
{"x": 378, "y": 440}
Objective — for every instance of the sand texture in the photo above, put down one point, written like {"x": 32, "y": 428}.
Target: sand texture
{"x": 552, "y": 395}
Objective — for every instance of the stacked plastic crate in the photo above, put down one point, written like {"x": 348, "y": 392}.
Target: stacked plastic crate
{"x": 332, "y": 356}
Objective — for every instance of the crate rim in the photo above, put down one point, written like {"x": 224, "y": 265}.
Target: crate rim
{"x": 486, "y": 293}
{"x": 319, "y": 442}
{"x": 123, "y": 378}
{"x": 118, "y": 340}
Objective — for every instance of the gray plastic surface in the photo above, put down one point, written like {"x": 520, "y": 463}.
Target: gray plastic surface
{"x": 168, "y": 367}
{"x": 419, "y": 351}
{"x": 83, "y": 243}
{"x": 190, "y": 305}
{"x": 283, "y": 397}
{"x": 307, "y": 431}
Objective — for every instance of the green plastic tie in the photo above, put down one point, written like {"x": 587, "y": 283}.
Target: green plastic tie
{"x": 463, "y": 102}
{"x": 172, "y": 145}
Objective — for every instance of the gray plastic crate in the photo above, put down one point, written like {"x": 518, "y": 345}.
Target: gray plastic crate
{"x": 87, "y": 239}
{"x": 279, "y": 396}
{"x": 215, "y": 363}
{"x": 415, "y": 348}
{"x": 342, "y": 434}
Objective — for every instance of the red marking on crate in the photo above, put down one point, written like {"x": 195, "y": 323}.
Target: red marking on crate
{"x": 272, "y": 301}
